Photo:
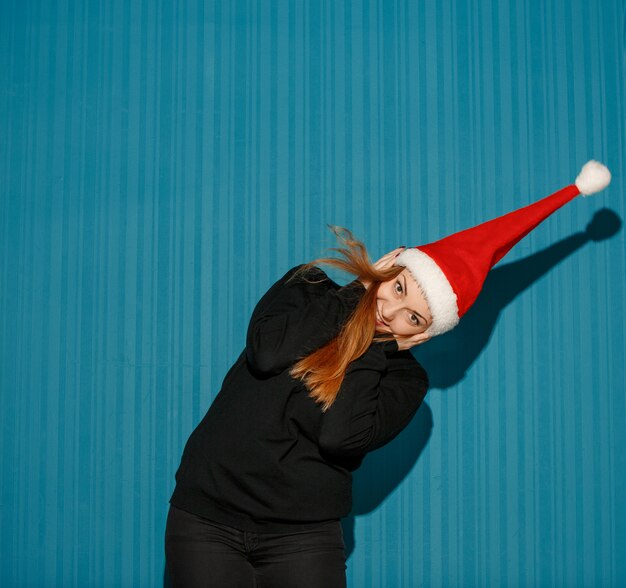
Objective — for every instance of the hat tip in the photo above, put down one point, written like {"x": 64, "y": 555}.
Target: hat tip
{"x": 593, "y": 177}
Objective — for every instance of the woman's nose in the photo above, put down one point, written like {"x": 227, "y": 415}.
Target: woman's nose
{"x": 387, "y": 313}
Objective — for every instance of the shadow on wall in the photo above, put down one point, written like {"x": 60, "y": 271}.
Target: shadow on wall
{"x": 448, "y": 358}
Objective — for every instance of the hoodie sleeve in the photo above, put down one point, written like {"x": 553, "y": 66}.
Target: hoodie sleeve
{"x": 297, "y": 316}
{"x": 381, "y": 392}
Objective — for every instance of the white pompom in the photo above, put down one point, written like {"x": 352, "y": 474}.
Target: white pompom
{"x": 592, "y": 178}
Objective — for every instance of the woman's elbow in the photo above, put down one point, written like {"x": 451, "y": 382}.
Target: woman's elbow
{"x": 262, "y": 362}
{"x": 339, "y": 446}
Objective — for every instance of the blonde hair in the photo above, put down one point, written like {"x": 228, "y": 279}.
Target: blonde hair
{"x": 323, "y": 370}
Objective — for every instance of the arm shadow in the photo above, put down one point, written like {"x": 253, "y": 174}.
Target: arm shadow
{"x": 449, "y": 357}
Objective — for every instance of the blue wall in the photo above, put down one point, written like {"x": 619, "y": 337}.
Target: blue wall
{"x": 162, "y": 163}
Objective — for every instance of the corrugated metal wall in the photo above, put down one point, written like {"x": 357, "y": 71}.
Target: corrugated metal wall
{"x": 162, "y": 163}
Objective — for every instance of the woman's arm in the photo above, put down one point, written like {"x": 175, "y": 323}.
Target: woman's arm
{"x": 380, "y": 394}
{"x": 296, "y": 317}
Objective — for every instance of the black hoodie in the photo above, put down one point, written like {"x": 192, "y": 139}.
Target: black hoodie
{"x": 265, "y": 457}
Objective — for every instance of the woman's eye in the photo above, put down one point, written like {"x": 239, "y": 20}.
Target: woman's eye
{"x": 414, "y": 319}
{"x": 398, "y": 287}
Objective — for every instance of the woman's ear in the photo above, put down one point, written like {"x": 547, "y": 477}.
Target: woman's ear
{"x": 366, "y": 283}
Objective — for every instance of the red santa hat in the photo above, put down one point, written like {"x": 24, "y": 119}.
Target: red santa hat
{"x": 451, "y": 271}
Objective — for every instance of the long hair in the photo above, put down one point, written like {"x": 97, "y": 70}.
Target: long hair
{"x": 323, "y": 370}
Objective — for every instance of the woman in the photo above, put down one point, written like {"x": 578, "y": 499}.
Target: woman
{"x": 326, "y": 376}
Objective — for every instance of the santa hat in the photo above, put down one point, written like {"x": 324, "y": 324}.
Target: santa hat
{"x": 451, "y": 271}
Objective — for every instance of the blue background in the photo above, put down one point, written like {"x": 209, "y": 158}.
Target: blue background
{"x": 162, "y": 163}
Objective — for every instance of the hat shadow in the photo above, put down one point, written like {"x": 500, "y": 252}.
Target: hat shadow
{"x": 448, "y": 358}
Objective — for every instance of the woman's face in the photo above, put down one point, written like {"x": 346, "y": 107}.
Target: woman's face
{"x": 402, "y": 309}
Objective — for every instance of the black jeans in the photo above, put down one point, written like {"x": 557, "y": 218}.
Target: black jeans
{"x": 203, "y": 553}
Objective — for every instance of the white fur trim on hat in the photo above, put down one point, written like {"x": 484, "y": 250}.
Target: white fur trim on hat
{"x": 592, "y": 178}
{"x": 439, "y": 294}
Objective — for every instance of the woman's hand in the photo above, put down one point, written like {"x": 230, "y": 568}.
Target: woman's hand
{"x": 386, "y": 261}
{"x": 408, "y": 342}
